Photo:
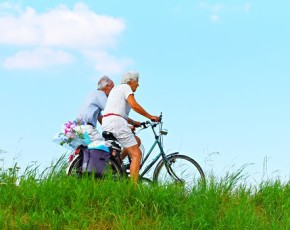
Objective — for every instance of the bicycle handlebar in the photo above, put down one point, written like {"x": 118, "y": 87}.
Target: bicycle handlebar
{"x": 152, "y": 123}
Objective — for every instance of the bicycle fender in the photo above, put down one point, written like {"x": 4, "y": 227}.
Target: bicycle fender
{"x": 169, "y": 155}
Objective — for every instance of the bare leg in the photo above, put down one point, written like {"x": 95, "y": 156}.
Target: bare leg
{"x": 135, "y": 153}
{"x": 124, "y": 152}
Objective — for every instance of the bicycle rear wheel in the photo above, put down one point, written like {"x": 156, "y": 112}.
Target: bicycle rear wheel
{"x": 75, "y": 167}
{"x": 112, "y": 169}
{"x": 181, "y": 169}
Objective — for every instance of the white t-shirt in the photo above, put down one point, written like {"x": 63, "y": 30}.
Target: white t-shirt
{"x": 117, "y": 101}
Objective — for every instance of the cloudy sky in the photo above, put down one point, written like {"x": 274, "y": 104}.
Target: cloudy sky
{"x": 218, "y": 70}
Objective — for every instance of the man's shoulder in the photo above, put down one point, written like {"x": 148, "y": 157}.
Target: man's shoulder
{"x": 97, "y": 93}
{"x": 94, "y": 96}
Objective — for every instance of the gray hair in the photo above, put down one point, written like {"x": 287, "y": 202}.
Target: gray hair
{"x": 105, "y": 80}
{"x": 131, "y": 75}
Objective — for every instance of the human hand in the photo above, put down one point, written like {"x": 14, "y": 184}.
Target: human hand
{"x": 132, "y": 127}
{"x": 154, "y": 118}
{"x": 137, "y": 124}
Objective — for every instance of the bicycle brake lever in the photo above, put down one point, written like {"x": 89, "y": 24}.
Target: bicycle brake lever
{"x": 143, "y": 124}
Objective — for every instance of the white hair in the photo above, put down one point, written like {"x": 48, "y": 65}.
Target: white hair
{"x": 105, "y": 80}
{"x": 131, "y": 75}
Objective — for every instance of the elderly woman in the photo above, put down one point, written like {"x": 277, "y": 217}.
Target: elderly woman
{"x": 115, "y": 119}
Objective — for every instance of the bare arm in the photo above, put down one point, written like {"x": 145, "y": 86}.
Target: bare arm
{"x": 100, "y": 119}
{"x": 139, "y": 109}
{"x": 134, "y": 123}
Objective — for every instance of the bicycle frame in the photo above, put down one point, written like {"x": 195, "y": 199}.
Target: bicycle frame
{"x": 148, "y": 167}
{"x": 162, "y": 154}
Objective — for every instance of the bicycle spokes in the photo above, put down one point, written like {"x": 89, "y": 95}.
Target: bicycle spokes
{"x": 179, "y": 169}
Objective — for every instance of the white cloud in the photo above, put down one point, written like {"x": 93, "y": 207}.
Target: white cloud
{"x": 7, "y": 6}
{"x": 214, "y": 18}
{"x": 77, "y": 29}
{"x": 203, "y": 4}
{"x": 216, "y": 10}
{"x": 39, "y": 58}
{"x": 107, "y": 64}
{"x": 247, "y": 7}
{"x": 217, "y": 7}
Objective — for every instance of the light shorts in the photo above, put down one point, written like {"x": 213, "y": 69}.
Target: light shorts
{"x": 120, "y": 129}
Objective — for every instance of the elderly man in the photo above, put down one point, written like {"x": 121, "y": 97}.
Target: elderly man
{"x": 91, "y": 109}
{"x": 115, "y": 119}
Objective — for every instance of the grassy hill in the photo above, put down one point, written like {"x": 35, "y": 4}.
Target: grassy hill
{"x": 60, "y": 202}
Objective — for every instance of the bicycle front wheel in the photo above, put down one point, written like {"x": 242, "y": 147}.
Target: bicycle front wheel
{"x": 180, "y": 169}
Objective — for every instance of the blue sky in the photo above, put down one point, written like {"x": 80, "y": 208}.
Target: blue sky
{"x": 218, "y": 70}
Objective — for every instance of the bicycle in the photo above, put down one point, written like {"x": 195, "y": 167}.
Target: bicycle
{"x": 75, "y": 166}
{"x": 172, "y": 168}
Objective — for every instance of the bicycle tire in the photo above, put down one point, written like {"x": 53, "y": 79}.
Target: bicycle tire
{"x": 113, "y": 170}
{"x": 145, "y": 181}
{"x": 75, "y": 167}
{"x": 188, "y": 171}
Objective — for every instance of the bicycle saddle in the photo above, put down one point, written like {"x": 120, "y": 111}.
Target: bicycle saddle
{"x": 108, "y": 136}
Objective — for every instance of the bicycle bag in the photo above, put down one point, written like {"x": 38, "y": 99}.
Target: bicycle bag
{"x": 94, "y": 161}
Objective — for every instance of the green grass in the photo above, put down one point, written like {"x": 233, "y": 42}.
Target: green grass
{"x": 55, "y": 201}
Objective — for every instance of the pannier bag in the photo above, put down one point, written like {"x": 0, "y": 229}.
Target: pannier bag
{"x": 94, "y": 161}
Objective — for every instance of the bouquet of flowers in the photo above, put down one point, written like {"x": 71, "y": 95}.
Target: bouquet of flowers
{"x": 72, "y": 135}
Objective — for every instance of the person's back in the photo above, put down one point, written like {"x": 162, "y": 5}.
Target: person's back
{"x": 117, "y": 104}
{"x": 92, "y": 107}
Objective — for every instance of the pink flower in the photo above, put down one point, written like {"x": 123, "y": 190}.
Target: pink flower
{"x": 67, "y": 131}
{"x": 70, "y": 135}
{"x": 68, "y": 124}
